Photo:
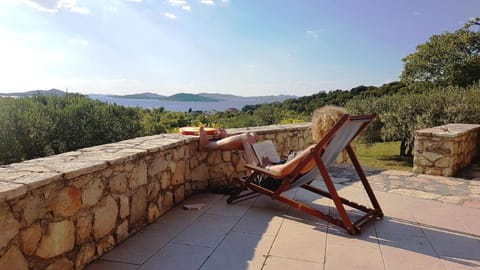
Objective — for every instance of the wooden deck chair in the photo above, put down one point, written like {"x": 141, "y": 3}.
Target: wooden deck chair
{"x": 324, "y": 153}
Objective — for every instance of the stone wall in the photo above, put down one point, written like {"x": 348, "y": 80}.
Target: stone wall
{"x": 63, "y": 211}
{"x": 445, "y": 149}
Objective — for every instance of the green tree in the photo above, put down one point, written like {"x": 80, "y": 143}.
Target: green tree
{"x": 445, "y": 59}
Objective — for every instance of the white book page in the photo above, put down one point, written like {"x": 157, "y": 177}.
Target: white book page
{"x": 266, "y": 149}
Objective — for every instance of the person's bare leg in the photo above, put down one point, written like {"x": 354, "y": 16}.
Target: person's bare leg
{"x": 222, "y": 133}
{"x": 226, "y": 144}
{"x": 247, "y": 146}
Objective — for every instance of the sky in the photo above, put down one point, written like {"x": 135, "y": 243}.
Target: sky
{"x": 240, "y": 47}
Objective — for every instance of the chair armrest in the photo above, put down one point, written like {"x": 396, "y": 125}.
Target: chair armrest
{"x": 262, "y": 170}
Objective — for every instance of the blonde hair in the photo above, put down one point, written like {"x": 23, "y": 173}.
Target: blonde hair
{"x": 323, "y": 119}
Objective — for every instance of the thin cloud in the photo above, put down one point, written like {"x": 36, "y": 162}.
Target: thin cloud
{"x": 136, "y": 1}
{"x": 169, "y": 15}
{"x": 177, "y": 2}
{"x": 417, "y": 13}
{"x": 312, "y": 34}
{"x": 79, "y": 42}
{"x": 80, "y": 10}
{"x": 187, "y": 8}
{"x": 57, "y": 5}
{"x": 207, "y": 2}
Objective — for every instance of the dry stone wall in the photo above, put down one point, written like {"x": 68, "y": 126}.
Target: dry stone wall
{"x": 64, "y": 211}
{"x": 445, "y": 149}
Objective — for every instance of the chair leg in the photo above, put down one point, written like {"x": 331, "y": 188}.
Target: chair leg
{"x": 363, "y": 178}
{"x": 316, "y": 213}
{"x": 347, "y": 223}
{"x": 234, "y": 198}
{"x": 238, "y": 196}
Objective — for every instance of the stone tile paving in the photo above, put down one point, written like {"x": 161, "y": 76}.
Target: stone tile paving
{"x": 445, "y": 189}
{"x": 429, "y": 223}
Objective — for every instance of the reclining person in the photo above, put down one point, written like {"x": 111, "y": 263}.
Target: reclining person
{"x": 322, "y": 120}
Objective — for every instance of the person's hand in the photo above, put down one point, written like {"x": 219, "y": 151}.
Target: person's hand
{"x": 266, "y": 161}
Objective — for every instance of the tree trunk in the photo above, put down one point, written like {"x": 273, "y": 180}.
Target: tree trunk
{"x": 410, "y": 148}
{"x": 403, "y": 147}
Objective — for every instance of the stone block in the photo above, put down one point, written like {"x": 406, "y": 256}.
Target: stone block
{"x": 152, "y": 190}
{"x": 227, "y": 156}
{"x": 183, "y": 152}
{"x": 193, "y": 162}
{"x": 9, "y": 226}
{"x": 30, "y": 238}
{"x": 214, "y": 157}
{"x": 433, "y": 171}
{"x": 66, "y": 202}
{"x": 418, "y": 170}
{"x": 165, "y": 202}
{"x": 179, "y": 194}
{"x": 178, "y": 176}
{"x": 448, "y": 172}
{"x": 13, "y": 259}
{"x": 157, "y": 166}
{"x": 84, "y": 228}
{"x": 81, "y": 180}
{"x": 85, "y": 255}
{"x": 124, "y": 206}
{"x": 139, "y": 175}
{"x": 445, "y": 147}
{"x": 58, "y": 239}
{"x": 188, "y": 189}
{"x": 107, "y": 173}
{"x": 126, "y": 167}
{"x": 122, "y": 232}
{"x": 200, "y": 173}
{"x": 92, "y": 193}
{"x": 139, "y": 205}
{"x": 105, "y": 217}
{"x": 61, "y": 264}
{"x": 430, "y": 156}
{"x": 165, "y": 180}
{"x": 105, "y": 244}
{"x": 199, "y": 185}
{"x": 218, "y": 171}
{"x": 444, "y": 162}
{"x": 118, "y": 183}
{"x": 153, "y": 212}
{"x": 33, "y": 208}
{"x": 188, "y": 175}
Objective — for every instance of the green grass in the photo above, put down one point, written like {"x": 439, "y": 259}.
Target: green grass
{"x": 383, "y": 156}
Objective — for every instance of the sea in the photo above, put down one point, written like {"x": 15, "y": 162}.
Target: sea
{"x": 181, "y": 106}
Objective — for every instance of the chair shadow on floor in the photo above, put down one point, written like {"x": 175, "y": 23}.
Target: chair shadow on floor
{"x": 407, "y": 237}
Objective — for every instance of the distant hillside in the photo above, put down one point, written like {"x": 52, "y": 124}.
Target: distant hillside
{"x": 146, "y": 95}
{"x": 190, "y": 97}
{"x": 51, "y": 92}
{"x": 267, "y": 99}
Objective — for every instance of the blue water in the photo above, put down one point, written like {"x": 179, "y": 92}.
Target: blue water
{"x": 180, "y": 106}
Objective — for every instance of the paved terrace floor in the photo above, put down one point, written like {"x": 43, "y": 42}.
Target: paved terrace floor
{"x": 430, "y": 223}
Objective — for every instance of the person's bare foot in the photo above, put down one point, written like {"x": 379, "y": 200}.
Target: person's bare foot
{"x": 222, "y": 133}
{"x": 203, "y": 142}
{"x": 251, "y": 138}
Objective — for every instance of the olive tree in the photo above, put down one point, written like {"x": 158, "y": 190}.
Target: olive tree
{"x": 445, "y": 59}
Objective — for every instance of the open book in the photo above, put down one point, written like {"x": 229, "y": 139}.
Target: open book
{"x": 266, "y": 149}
